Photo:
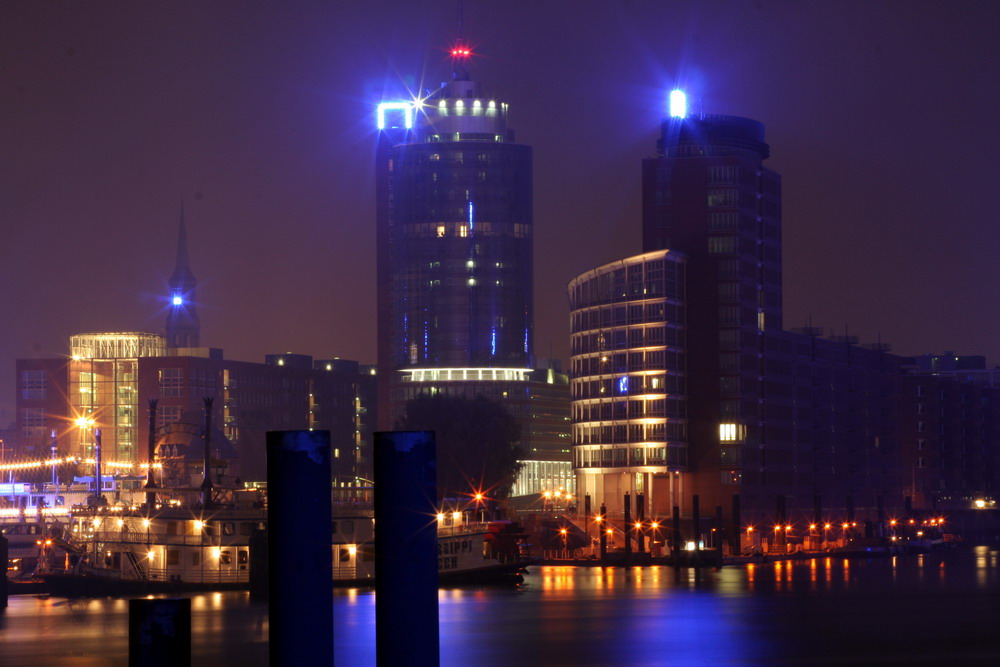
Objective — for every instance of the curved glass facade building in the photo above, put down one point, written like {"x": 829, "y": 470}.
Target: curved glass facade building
{"x": 454, "y": 235}
{"x": 628, "y": 380}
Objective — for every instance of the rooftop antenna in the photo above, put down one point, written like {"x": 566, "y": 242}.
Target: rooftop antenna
{"x": 460, "y": 52}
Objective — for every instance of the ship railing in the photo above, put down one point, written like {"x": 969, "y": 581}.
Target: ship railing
{"x": 345, "y": 572}
{"x": 206, "y": 576}
{"x": 165, "y": 539}
{"x": 462, "y": 529}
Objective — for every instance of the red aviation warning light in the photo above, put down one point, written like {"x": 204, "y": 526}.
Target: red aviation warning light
{"x": 461, "y": 51}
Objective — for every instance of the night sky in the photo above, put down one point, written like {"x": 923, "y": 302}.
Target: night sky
{"x": 882, "y": 118}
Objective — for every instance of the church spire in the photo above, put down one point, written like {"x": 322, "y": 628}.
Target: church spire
{"x": 183, "y": 327}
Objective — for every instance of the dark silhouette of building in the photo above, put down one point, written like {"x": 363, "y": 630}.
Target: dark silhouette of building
{"x": 183, "y": 326}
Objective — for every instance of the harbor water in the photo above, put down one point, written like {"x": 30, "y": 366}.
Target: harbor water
{"x": 931, "y": 609}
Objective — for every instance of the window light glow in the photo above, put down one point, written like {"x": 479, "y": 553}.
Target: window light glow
{"x": 405, "y": 107}
{"x": 678, "y": 104}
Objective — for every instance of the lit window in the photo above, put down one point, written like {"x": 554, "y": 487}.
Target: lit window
{"x": 729, "y": 432}
{"x": 440, "y": 231}
{"x": 463, "y": 231}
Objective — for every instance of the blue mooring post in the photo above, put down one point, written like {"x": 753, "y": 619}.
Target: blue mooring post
{"x": 159, "y": 632}
{"x": 300, "y": 572}
{"x": 406, "y": 560}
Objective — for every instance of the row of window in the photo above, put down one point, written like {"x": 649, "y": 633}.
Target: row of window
{"x": 622, "y": 362}
{"x": 607, "y": 434}
{"x": 607, "y": 457}
{"x": 624, "y": 338}
{"x": 655, "y": 312}
{"x": 629, "y": 385}
{"x": 628, "y": 409}
{"x": 464, "y": 229}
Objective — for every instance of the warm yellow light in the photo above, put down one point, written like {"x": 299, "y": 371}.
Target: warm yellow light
{"x": 198, "y": 525}
{"x": 121, "y": 522}
{"x": 84, "y": 422}
{"x": 97, "y": 523}
{"x": 655, "y": 524}
{"x": 151, "y": 555}
{"x": 547, "y": 494}
{"x": 352, "y": 550}
{"x": 145, "y": 523}
{"x": 610, "y": 531}
{"x": 479, "y": 497}
{"x": 980, "y": 504}
{"x": 892, "y": 522}
{"x": 638, "y": 524}
{"x": 562, "y": 531}
{"x": 598, "y": 518}
{"x": 845, "y": 526}
{"x": 777, "y": 528}
{"x": 812, "y": 526}
{"x": 440, "y": 517}
{"x": 749, "y": 529}
{"x": 456, "y": 515}
{"x": 827, "y": 526}
{"x": 788, "y": 528}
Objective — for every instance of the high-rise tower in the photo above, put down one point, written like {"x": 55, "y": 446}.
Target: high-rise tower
{"x": 183, "y": 327}
{"x": 454, "y": 237}
{"x": 708, "y": 195}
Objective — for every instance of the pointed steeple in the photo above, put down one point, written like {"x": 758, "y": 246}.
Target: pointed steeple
{"x": 183, "y": 327}
{"x": 182, "y": 269}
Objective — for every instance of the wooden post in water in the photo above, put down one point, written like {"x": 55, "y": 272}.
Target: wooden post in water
{"x": 675, "y": 537}
{"x": 300, "y": 561}
{"x": 406, "y": 561}
{"x": 602, "y": 529}
{"x": 696, "y": 527}
{"x": 628, "y": 529}
{"x": 719, "y": 536}
{"x": 151, "y": 458}
{"x": 640, "y": 517}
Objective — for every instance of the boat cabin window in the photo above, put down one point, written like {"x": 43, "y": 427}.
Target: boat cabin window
{"x": 173, "y": 557}
{"x": 226, "y": 558}
{"x": 228, "y": 528}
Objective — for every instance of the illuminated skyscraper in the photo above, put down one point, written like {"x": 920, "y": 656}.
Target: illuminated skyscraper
{"x": 183, "y": 327}
{"x": 454, "y": 236}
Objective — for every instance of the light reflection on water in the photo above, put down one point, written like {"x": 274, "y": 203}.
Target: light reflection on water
{"x": 933, "y": 609}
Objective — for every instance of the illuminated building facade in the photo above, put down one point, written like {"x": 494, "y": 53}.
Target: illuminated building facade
{"x": 454, "y": 237}
{"x": 103, "y": 387}
{"x": 454, "y": 265}
{"x": 111, "y": 378}
{"x": 629, "y": 381}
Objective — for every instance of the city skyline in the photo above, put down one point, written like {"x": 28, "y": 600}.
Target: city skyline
{"x": 262, "y": 122}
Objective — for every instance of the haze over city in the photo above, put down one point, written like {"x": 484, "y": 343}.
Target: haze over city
{"x": 260, "y": 119}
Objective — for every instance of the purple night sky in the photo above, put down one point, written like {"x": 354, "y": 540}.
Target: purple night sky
{"x": 881, "y": 116}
